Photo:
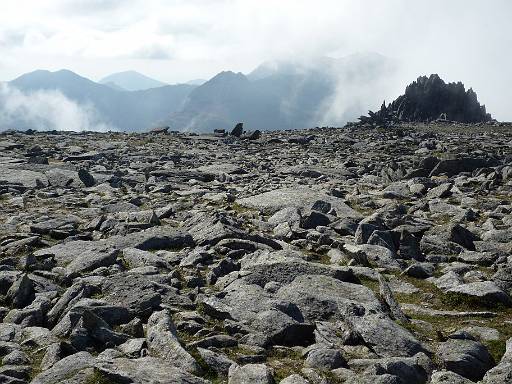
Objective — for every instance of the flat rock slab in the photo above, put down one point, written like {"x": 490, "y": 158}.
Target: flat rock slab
{"x": 80, "y": 256}
{"x": 22, "y": 177}
{"x": 137, "y": 293}
{"x": 67, "y": 252}
{"x": 145, "y": 370}
{"x": 250, "y": 374}
{"x": 300, "y": 197}
{"x": 65, "y": 368}
{"x": 153, "y": 238}
{"x": 311, "y": 293}
{"x": 277, "y": 267}
{"x": 485, "y": 291}
{"x": 416, "y": 309}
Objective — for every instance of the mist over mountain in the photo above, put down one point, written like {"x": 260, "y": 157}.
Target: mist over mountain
{"x": 276, "y": 95}
{"x": 119, "y": 110}
{"x": 131, "y": 81}
{"x": 289, "y": 95}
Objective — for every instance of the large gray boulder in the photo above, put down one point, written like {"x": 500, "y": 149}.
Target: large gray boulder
{"x": 485, "y": 292}
{"x": 65, "y": 369}
{"x": 250, "y": 374}
{"x": 284, "y": 266}
{"x": 324, "y": 358}
{"x": 216, "y": 361}
{"x": 163, "y": 342}
{"x": 410, "y": 370}
{"x": 238, "y": 130}
{"x": 468, "y": 358}
{"x": 138, "y": 294}
{"x": 22, "y": 177}
{"x": 80, "y": 256}
{"x": 145, "y": 370}
{"x": 322, "y": 297}
{"x": 21, "y": 293}
{"x": 383, "y": 335}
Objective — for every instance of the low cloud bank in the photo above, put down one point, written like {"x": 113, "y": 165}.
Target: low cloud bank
{"x": 361, "y": 82}
{"x": 47, "y": 110}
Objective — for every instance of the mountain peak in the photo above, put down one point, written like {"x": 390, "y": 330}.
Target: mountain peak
{"x": 227, "y": 78}
{"x": 132, "y": 81}
{"x": 43, "y": 73}
{"x": 45, "y": 79}
{"x": 227, "y": 75}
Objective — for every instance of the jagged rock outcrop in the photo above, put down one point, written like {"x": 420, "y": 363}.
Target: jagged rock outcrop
{"x": 428, "y": 99}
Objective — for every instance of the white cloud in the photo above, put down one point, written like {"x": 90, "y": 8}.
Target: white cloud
{"x": 46, "y": 110}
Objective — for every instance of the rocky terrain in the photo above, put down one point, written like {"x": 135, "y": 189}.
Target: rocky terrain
{"x": 322, "y": 256}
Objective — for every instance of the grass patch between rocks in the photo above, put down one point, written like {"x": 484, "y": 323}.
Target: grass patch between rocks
{"x": 373, "y": 285}
{"x": 461, "y": 301}
{"x": 435, "y": 328}
{"x": 98, "y": 377}
{"x": 207, "y": 372}
{"x": 284, "y": 362}
{"x": 434, "y": 297}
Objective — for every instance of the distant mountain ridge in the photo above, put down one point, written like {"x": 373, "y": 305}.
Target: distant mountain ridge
{"x": 276, "y": 95}
{"x": 283, "y": 95}
{"x": 114, "y": 86}
{"x": 130, "y": 111}
{"x": 132, "y": 81}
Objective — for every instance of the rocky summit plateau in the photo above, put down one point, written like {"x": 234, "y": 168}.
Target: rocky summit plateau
{"x": 349, "y": 255}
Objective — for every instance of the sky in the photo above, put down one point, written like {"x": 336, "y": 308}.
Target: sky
{"x": 180, "y": 40}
